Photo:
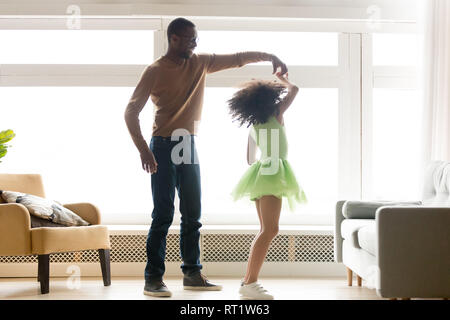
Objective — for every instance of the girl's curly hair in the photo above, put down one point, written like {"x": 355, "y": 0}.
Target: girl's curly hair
{"x": 256, "y": 102}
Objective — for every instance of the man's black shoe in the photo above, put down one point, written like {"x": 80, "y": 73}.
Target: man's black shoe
{"x": 156, "y": 288}
{"x": 197, "y": 281}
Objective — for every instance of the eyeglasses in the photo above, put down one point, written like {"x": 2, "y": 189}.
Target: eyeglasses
{"x": 191, "y": 39}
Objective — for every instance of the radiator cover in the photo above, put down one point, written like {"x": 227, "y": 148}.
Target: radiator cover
{"x": 215, "y": 247}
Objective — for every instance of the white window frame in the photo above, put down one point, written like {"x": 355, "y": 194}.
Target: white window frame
{"x": 354, "y": 77}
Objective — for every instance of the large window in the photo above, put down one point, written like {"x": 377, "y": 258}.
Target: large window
{"x": 64, "y": 93}
{"x": 311, "y": 122}
{"x": 396, "y": 123}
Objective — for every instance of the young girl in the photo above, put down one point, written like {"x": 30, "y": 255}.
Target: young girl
{"x": 262, "y": 104}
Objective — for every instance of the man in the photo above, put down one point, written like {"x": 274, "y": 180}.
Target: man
{"x": 175, "y": 82}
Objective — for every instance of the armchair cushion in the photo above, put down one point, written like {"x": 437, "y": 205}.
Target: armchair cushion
{"x": 70, "y": 239}
{"x": 367, "y": 209}
{"x": 44, "y": 208}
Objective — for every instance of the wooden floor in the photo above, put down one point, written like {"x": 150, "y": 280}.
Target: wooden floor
{"x": 131, "y": 288}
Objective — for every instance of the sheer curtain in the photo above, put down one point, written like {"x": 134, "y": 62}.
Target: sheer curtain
{"x": 436, "y": 80}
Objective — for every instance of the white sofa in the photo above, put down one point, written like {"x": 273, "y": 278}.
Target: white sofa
{"x": 401, "y": 250}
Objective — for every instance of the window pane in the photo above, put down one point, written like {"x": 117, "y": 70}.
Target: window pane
{"x": 395, "y": 49}
{"x": 311, "y": 126}
{"x": 294, "y": 48}
{"x": 396, "y": 144}
{"x": 77, "y": 139}
{"x": 76, "y": 46}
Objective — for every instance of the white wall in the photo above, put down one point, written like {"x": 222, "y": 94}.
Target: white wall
{"x": 331, "y": 9}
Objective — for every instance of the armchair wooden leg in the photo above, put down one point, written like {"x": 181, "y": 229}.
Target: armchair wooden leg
{"x": 349, "y": 277}
{"x": 105, "y": 265}
{"x": 358, "y": 278}
{"x": 44, "y": 272}
{"x": 39, "y": 270}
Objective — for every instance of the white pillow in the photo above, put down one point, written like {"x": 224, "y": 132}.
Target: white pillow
{"x": 44, "y": 208}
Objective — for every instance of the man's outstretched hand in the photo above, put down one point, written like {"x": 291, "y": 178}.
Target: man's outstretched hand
{"x": 277, "y": 63}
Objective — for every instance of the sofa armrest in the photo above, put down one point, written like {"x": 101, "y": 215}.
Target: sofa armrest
{"x": 337, "y": 231}
{"x": 85, "y": 210}
{"x": 413, "y": 251}
{"x": 15, "y": 230}
{"x": 363, "y": 209}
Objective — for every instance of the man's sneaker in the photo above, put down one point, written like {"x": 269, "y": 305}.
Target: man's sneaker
{"x": 254, "y": 291}
{"x": 197, "y": 281}
{"x": 156, "y": 288}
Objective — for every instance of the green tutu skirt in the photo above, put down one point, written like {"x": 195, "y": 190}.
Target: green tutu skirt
{"x": 259, "y": 181}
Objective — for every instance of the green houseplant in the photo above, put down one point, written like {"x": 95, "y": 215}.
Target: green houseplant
{"x": 5, "y": 136}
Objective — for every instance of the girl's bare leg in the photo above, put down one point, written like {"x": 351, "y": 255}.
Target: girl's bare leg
{"x": 247, "y": 273}
{"x": 269, "y": 215}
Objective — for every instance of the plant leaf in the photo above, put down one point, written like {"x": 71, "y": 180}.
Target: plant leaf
{"x": 3, "y": 152}
{"x": 6, "y": 136}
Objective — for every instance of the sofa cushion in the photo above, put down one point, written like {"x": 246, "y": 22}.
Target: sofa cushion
{"x": 367, "y": 209}
{"x": 366, "y": 238}
{"x": 350, "y": 228}
{"x": 44, "y": 208}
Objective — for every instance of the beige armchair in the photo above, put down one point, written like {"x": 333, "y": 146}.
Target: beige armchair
{"x": 17, "y": 238}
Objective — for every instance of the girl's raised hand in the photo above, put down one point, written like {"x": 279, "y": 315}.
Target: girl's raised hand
{"x": 283, "y": 78}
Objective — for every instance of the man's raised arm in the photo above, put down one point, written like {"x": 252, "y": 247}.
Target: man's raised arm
{"x": 218, "y": 62}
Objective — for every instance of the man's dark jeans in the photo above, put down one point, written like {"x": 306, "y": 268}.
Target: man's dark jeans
{"x": 185, "y": 177}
